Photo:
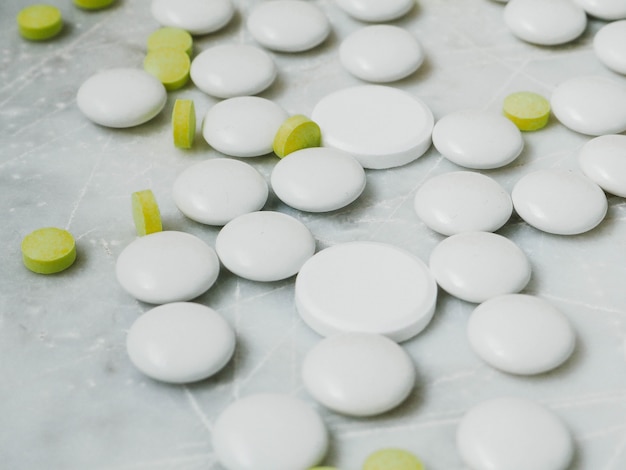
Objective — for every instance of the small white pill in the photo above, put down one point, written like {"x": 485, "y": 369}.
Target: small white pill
{"x": 375, "y": 11}
{"x": 195, "y": 16}
{"x": 603, "y": 160}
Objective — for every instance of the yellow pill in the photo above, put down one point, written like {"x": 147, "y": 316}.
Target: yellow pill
{"x": 528, "y": 111}
{"x": 146, "y": 213}
{"x": 296, "y": 133}
{"x": 170, "y": 38}
{"x": 184, "y": 123}
{"x": 392, "y": 459}
{"x": 93, "y": 4}
{"x": 39, "y": 22}
{"x": 48, "y": 250}
{"x": 170, "y": 66}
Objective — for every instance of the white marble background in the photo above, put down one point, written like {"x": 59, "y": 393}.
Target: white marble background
{"x": 69, "y": 397}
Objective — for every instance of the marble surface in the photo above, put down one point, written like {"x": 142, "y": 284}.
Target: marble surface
{"x": 69, "y": 396}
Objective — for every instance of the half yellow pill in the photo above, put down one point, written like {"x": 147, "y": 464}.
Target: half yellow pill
{"x": 146, "y": 214}
{"x": 392, "y": 459}
{"x": 528, "y": 111}
{"x": 93, "y": 4}
{"x": 48, "y": 250}
{"x": 39, "y": 22}
{"x": 170, "y": 38}
{"x": 296, "y": 133}
{"x": 184, "y": 123}
{"x": 170, "y": 66}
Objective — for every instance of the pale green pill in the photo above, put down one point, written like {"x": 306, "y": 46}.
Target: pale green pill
{"x": 48, "y": 250}
{"x": 296, "y": 133}
{"x": 392, "y": 459}
{"x": 39, "y": 22}
{"x": 529, "y": 111}
{"x": 170, "y": 66}
{"x": 184, "y": 123}
{"x": 146, "y": 214}
{"x": 93, "y": 4}
{"x": 170, "y": 38}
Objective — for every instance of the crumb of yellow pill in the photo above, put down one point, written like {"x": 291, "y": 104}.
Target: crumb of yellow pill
{"x": 392, "y": 459}
{"x": 170, "y": 66}
{"x": 170, "y": 38}
{"x": 48, "y": 250}
{"x": 39, "y": 22}
{"x": 93, "y": 4}
{"x": 146, "y": 214}
{"x": 528, "y": 111}
{"x": 184, "y": 123}
{"x": 296, "y": 133}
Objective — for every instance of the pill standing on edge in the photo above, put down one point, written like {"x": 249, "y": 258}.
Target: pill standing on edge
{"x": 527, "y": 110}
{"x": 39, "y": 22}
{"x": 48, "y": 250}
{"x": 184, "y": 123}
{"x": 295, "y": 133}
{"x": 146, "y": 214}
{"x": 392, "y": 459}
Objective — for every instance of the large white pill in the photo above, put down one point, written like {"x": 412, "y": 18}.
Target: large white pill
{"x": 381, "y": 126}
{"x": 288, "y": 25}
{"x": 514, "y": 434}
{"x": 318, "y": 179}
{"x": 366, "y": 287}
{"x": 520, "y": 334}
{"x": 546, "y": 23}
{"x": 269, "y": 431}
{"x": 477, "y": 266}
{"x": 608, "y": 10}
{"x": 365, "y": 53}
{"x": 230, "y": 70}
{"x": 180, "y": 342}
{"x": 358, "y": 374}
{"x": 264, "y": 246}
{"x": 559, "y": 201}
{"x": 603, "y": 160}
{"x": 195, "y": 16}
{"x": 591, "y": 105}
{"x": 477, "y": 139}
{"x": 608, "y": 45}
{"x": 168, "y": 266}
{"x": 121, "y": 97}
{"x": 462, "y": 201}
{"x": 376, "y": 11}
{"x": 244, "y": 126}
{"x": 215, "y": 191}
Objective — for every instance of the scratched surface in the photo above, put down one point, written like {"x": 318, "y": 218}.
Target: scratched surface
{"x": 69, "y": 397}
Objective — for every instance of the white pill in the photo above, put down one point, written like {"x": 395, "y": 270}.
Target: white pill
{"x": 591, "y": 105}
{"x": 269, "y": 432}
{"x": 180, "y": 342}
{"x": 318, "y": 179}
{"x": 358, "y": 374}
{"x": 230, "y": 70}
{"x": 513, "y": 434}
{"x": 244, "y": 126}
{"x": 121, "y": 97}
{"x": 381, "y": 126}
{"x": 603, "y": 160}
{"x": 168, "y": 266}
{"x": 608, "y": 45}
{"x": 559, "y": 201}
{"x": 215, "y": 191}
{"x": 195, "y": 16}
{"x": 288, "y": 25}
{"x": 375, "y": 11}
{"x": 546, "y": 23}
{"x": 520, "y": 334}
{"x": 365, "y": 53}
{"x": 264, "y": 246}
{"x": 477, "y": 266}
{"x": 366, "y": 287}
{"x": 608, "y": 10}
{"x": 462, "y": 201}
{"x": 477, "y": 139}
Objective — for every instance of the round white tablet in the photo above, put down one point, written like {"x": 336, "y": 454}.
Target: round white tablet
{"x": 462, "y": 201}
{"x": 269, "y": 431}
{"x": 477, "y": 139}
{"x": 591, "y": 105}
{"x": 288, "y": 25}
{"x": 215, "y": 191}
{"x": 244, "y": 126}
{"x": 264, "y": 246}
{"x": 195, "y": 16}
{"x": 121, "y": 97}
{"x": 603, "y": 160}
{"x": 559, "y": 201}
{"x": 318, "y": 179}
{"x": 365, "y": 53}
{"x": 366, "y": 287}
{"x": 381, "y": 126}
{"x": 167, "y": 266}
{"x": 520, "y": 334}
{"x": 608, "y": 45}
{"x": 358, "y": 374}
{"x": 546, "y": 23}
{"x": 230, "y": 70}
{"x": 477, "y": 266}
{"x": 180, "y": 342}
{"x": 375, "y": 11}
{"x": 608, "y": 10}
{"x": 513, "y": 434}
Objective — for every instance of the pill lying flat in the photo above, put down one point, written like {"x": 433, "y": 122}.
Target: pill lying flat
{"x": 603, "y": 160}
{"x": 195, "y": 16}
{"x": 608, "y": 46}
{"x": 375, "y": 11}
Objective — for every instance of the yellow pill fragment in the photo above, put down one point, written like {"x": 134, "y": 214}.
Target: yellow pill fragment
{"x": 392, "y": 459}
{"x": 170, "y": 38}
{"x": 146, "y": 213}
{"x": 48, "y": 250}
{"x": 296, "y": 133}
{"x": 93, "y": 4}
{"x": 39, "y": 22}
{"x": 184, "y": 123}
{"x": 170, "y": 66}
{"x": 528, "y": 111}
